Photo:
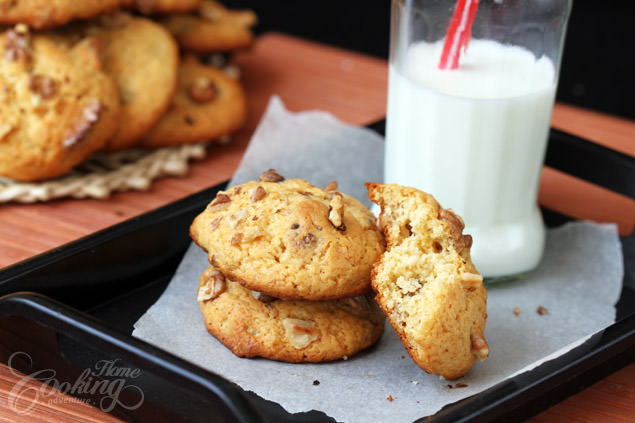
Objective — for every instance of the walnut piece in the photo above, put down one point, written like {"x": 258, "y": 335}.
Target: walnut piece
{"x": 263, "y": 298}
{"x": 236, "y": 238}
{"x": 336, "y": 212}
{"x": 308, "y": 239}
{"x": 479, "y": 345}
{"x": 221, "y": 199}
{"x": 456, "y": 226}
{"x": 203, "y": 90}
{"x": 300, "y": 333}
{"x": 359, "y": 303}
{"x": 115, "y": 20}
{"x": 90, "y": 116}
{"x": 258, "y": 194}
{"x": 331, "y": 187}
{"x": 270, "y": 175}
{"x": 215, "y": 223}
{"x": 213, "y": 287}
{"x": 146, "y": 7}
{"x": 471, "y": 281}
{"x": 42, "y": 85}
{"x": 234, "y": 219}
{"x": 16, "y": 44}
{"x": 211, "y": 12}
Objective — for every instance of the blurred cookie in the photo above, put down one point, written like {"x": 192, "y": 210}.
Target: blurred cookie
{"x": 143, "y": 59}
{"x": 149, "y": 7}
{"x": 40, "y": 14}
{"x": 213, "y": 29}
{"x": 426, "y": 282}
{"x": 56, "y": 105}
{"x": 289, "y": 239}
{"x": 206, "y": 106}
{"x": 251, "y": 324}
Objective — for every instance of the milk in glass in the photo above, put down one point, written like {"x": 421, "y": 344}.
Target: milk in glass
{"x": 474, "y": 138}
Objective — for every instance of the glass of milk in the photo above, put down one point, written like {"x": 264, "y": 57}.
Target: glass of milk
{"x": 474, "y": 137}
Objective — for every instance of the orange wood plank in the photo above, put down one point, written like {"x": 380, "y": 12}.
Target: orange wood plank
{"x": 33, "y": 402}
{"x": 353, "y": 87}
{"x": 580, "y": 199}
{"x": 610, "y": 131}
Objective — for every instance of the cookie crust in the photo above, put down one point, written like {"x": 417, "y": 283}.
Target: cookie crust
{"x": 207, "y": 105}
{"x": 290, "y": 239}
{"x": 56, "y": 105}
{"x": 291, "y": 331}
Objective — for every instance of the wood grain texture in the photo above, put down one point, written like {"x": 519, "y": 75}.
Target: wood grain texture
{"x": 30, "y": 403}
{"x": 352, "y": 87}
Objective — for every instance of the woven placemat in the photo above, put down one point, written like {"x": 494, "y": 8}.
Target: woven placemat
{"x": 104, "y": 174}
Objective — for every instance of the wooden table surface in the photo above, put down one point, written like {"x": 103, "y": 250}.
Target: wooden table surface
{"x": 352, "y": 87}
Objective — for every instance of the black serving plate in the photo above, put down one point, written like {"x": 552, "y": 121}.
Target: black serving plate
{"x": 74, "y": 307}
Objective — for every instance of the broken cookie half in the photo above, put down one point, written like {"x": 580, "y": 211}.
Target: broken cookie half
{"x": 426, "y": 283}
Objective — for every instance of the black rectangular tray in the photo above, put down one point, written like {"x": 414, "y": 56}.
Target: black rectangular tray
{"x": 75, "y": 306}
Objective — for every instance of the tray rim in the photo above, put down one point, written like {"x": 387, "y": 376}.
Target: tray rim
{"x": 487, "y": 404}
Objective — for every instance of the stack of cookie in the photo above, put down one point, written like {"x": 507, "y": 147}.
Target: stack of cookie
{"x": 121, "y": 79}
{"x": 290, "y": 270}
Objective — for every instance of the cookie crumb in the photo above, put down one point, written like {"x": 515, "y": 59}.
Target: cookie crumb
{"x": 316, "y": 382}
{"x": 516, "y": 311}
{"x": 457, "y": 385}
{"x": 403, "y": 356}
{"x": 542, "y": 311}
{"x": 389, "y": 398}
{"x": 414, "y": 382}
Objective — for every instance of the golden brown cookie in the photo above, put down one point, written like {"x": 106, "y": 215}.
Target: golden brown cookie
{"x": 143, "y": 59}
{"x": 56, "y": 105}
{"x": 42, "y": 14}
{"x": 213, "y": 29}
{"x": 207, "y": 105}
{"x": 251, "y": 324}
{"x": 289, "y": 239}
{"x": 149, "y": 7}
{"x": 426, "y": 282}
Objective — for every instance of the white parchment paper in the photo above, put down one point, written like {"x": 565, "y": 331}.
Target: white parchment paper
{"x": 577, "y": 282}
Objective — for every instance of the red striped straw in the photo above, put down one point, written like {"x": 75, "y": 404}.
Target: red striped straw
{"x": 459, "y": 33}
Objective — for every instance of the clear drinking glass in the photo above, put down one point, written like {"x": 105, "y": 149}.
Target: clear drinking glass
{"x": 474, "y": 137}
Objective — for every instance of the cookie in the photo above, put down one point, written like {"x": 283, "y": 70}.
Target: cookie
{"x": 206, "y": 106}
{"x": 143, "y": 59}
{"x": 213, "y": 29}
{"x": 40, "y": 14}
{"x": 251, "y": 324}
{"x": 56, "y": 105}
{"x": 289, "y": 239}
{"x": 149, "y": 7}
{"x": 426, "y": 283}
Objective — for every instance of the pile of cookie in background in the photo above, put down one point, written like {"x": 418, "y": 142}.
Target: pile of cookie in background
{"x": 96, "y": 85}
